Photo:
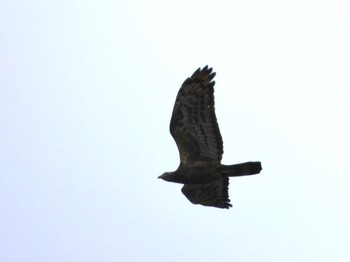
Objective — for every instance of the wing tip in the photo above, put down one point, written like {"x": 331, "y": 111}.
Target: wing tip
{"x": 204, "y": 73}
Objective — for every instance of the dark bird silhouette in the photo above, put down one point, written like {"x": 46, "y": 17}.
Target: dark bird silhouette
{"x": 196, "y": 132}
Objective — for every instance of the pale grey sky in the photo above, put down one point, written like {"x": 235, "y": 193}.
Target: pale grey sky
{"x": 86, "y": 94}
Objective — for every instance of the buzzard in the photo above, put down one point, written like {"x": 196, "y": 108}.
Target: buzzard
{"x": 196, "y": 132}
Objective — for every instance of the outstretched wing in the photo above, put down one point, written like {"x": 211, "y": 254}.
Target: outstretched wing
{"x": 213, "y": 194}
{"x": 193, "y": 123}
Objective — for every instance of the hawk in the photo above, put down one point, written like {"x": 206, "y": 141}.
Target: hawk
{"x": 195, "y": 130}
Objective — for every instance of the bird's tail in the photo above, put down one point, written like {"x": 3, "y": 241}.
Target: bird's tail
{"x": 243, "y": 169}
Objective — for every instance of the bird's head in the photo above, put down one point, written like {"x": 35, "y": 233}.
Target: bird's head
{"x": 172, "y": 177}
{"x": 167, "y": 176}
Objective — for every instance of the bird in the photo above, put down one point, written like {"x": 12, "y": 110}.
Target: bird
{"x": 195, "y": 129}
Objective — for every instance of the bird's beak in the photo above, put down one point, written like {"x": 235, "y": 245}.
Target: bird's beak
{"x": 162, "y": 176}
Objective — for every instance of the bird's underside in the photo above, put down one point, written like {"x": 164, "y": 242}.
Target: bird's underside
{"x": 196, "y": 132}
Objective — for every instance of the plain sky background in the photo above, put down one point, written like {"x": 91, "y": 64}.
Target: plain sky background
{"x": 86, "y": 94}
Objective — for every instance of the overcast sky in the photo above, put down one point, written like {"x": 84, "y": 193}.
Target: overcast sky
{"x": 86, "y": 94}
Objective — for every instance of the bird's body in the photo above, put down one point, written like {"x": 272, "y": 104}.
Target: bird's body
{"x": 210, "y": 171}
{"x": 195, "y": 174}
{"x": 196, "y": 132}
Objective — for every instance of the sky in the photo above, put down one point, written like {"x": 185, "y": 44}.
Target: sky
{"x": 86, "y": 94}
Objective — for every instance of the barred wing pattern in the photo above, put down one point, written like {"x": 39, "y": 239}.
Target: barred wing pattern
{"x": 213, "y": 194}
{"x": 193, "y": 124}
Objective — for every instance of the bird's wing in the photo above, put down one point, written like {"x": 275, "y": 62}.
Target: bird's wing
{"x": 213, "y": 194}
{"x": 193, "y": 123}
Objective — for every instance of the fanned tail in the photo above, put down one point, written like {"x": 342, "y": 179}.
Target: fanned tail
{"x": 243, "y": 169}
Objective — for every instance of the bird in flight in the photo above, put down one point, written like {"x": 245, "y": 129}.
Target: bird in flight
{"x": 195, "y": 130}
